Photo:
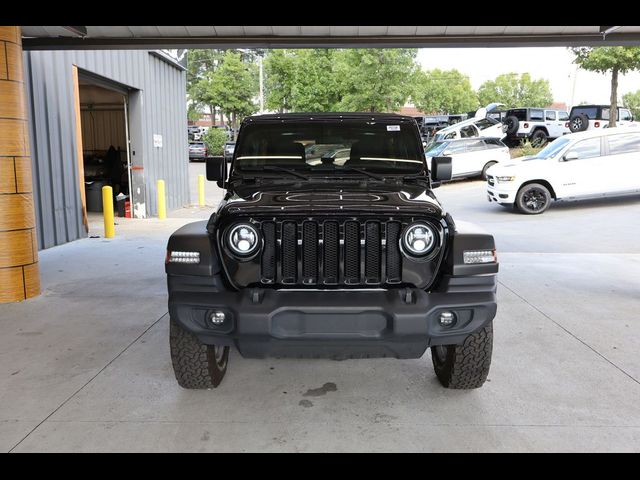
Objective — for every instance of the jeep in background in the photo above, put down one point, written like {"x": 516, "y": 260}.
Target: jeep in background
{"x": 585, "y": 117}
{"x": 538, "y": 125}
{"x": 345, "y": 254}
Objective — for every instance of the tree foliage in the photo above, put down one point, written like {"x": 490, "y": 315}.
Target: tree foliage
{"x": 214, "y": 139}
{"x": 631, "y": 100}
{"x": 516, "y": 90}
{"x": 232, "y": 87}
{"x": 327, "y": 79}
{"x": 376, "y": 80}
{"x": 609, "y": 59}
{"x": 444, "y": 92}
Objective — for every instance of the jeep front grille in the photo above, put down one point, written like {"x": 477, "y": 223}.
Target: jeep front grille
{"x": 331, "y": 252}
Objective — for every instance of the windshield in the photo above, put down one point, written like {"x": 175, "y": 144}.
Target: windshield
{"x": 552, "y": 149}
{"x": 436, "y": 148}
{"x": 322, "y": 146}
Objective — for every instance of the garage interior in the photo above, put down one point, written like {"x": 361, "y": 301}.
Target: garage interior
{"x": 104, "y": 138}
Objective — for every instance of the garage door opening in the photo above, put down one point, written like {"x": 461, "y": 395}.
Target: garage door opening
{"x": 103, "y": 148}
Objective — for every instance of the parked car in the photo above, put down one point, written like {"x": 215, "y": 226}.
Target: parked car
{"x": 331, "y": 260}
{"x": 229, "y": 147}
{"x": 480, "y": 125}
{"x": 585, "y": 117}
{"x": 538, "y": 125}
{"x": 470, "y": 157}
{"x": 596, "y": 163}
{"x": 197, "y": 150}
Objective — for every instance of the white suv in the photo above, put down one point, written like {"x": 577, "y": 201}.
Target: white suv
{"x": 596, "y": 163}
{"x": 470, "y": 157}
{"x": 538, "y": 125}
{"x": 479, "y": 126}
{"x": 587, "y": 117}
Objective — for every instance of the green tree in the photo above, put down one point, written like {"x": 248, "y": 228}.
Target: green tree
{"x": 302, "y": 80}
{"x": 214, "y": 139}
{"x": 444, "y": 91}
{"x": 516, "y": 90}
{"x": 375, "y": 80}
{"x": 631, "y": 100}
{"x": 279, "y": 77}
{"x": 315, "y": 87}
{"x": 200, "y": 64}
{"x": 232, "y": 87}
{"x": 609, "y": 59}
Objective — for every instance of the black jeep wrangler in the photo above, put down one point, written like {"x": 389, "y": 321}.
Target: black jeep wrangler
{"x": 330, "y": 243}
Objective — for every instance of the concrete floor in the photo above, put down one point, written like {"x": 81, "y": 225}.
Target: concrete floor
{"x": 86, "y": 367}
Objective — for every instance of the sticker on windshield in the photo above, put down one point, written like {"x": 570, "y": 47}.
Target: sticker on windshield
{"x": 393, "y": 128}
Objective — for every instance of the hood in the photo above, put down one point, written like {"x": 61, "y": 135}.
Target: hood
{"x": 408, "y": 199}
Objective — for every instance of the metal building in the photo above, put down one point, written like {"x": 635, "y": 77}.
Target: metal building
{"x": 81, "y": 102}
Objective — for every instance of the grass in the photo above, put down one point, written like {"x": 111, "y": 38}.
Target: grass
{"x": 524, "y": 149}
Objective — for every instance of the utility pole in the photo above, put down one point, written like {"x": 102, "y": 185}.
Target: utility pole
{"x": 261, "y": 84}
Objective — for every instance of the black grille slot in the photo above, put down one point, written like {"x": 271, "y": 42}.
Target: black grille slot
{"x": 373, "y": 247}
{"x": 309, "y": 252}
{"x": 269, "y": 252}
{"x": 351, "y": 252}
{"x": 289, "y": 248}
{"x": 394, "y": 260}
{"x": 331, "y": 243}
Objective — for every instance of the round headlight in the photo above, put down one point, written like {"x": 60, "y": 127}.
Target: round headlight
{"x": 419, "y": 239}
{"x": 243, "y": 239}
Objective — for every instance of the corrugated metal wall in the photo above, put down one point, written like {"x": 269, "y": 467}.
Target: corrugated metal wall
{"x": 157, "y": 106}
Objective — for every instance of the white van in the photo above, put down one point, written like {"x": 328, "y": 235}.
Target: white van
{"x": 595, "y": 163}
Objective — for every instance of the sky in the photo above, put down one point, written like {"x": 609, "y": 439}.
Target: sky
{"x": 551, "y": 63}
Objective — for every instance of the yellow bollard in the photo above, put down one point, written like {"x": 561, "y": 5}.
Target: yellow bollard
{"x": 201, "y": 190}
{"x": 107, "y": 212}
{"x": 162, "y": 204}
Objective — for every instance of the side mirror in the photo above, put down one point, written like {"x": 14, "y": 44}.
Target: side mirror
{"x": 217, "y": 170}
{"x": 440, "y": 169}
{"x": 570, "y": 156}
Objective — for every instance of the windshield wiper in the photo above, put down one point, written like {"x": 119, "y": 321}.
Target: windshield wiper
{"x": 275, "y": 168}
{"x": 359, "y": 170}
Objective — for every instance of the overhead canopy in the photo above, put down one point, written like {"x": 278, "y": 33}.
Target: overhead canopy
{"x": 86, "y": 37}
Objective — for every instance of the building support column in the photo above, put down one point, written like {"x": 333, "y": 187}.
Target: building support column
{"x": 19, "y": 273}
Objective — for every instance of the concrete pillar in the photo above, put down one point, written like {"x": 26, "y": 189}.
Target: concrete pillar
{"x": 19, "y": 274}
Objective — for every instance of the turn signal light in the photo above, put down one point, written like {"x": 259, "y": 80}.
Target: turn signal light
{"x": 183, "y": 257}
{"x": 479, "y": 256}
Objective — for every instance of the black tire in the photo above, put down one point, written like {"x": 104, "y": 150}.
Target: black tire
{"x": 512, "y": 123}
{"x": 486, "y": 167}
{"x": 465, "y": 366}
{"x": 196, "y": 366}
{"x": 578, "y": 123}
{"x": 533, "y": 199}
{"x": 538, "y": 138}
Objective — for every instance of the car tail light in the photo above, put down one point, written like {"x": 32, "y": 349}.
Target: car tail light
{"x": 597, "y": 124}
{"x": 566, "y": 124}
{"x": 526, "y": 125}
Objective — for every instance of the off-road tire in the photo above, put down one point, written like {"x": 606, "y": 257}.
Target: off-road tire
{"x": 533, "y": 206}
{"x": 465, "y": 366}
{"x": 512, "y": 123}
{"x": 483, "y": 175}
{"x": 538, "y": 138}
{"x": 578, "y": 123}
{"x": 195, "y": 364}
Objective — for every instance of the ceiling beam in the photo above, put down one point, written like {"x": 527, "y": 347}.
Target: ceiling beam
{"x": 354, "y": 41}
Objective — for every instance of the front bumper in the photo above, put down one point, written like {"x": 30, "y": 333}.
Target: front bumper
{"x": 501, "y": 193}
{"x": 399, "y": 323}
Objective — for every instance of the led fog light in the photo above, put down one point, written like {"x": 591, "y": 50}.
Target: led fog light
{"x": 447, "y": 319}
{"x": 217, "y": 317}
